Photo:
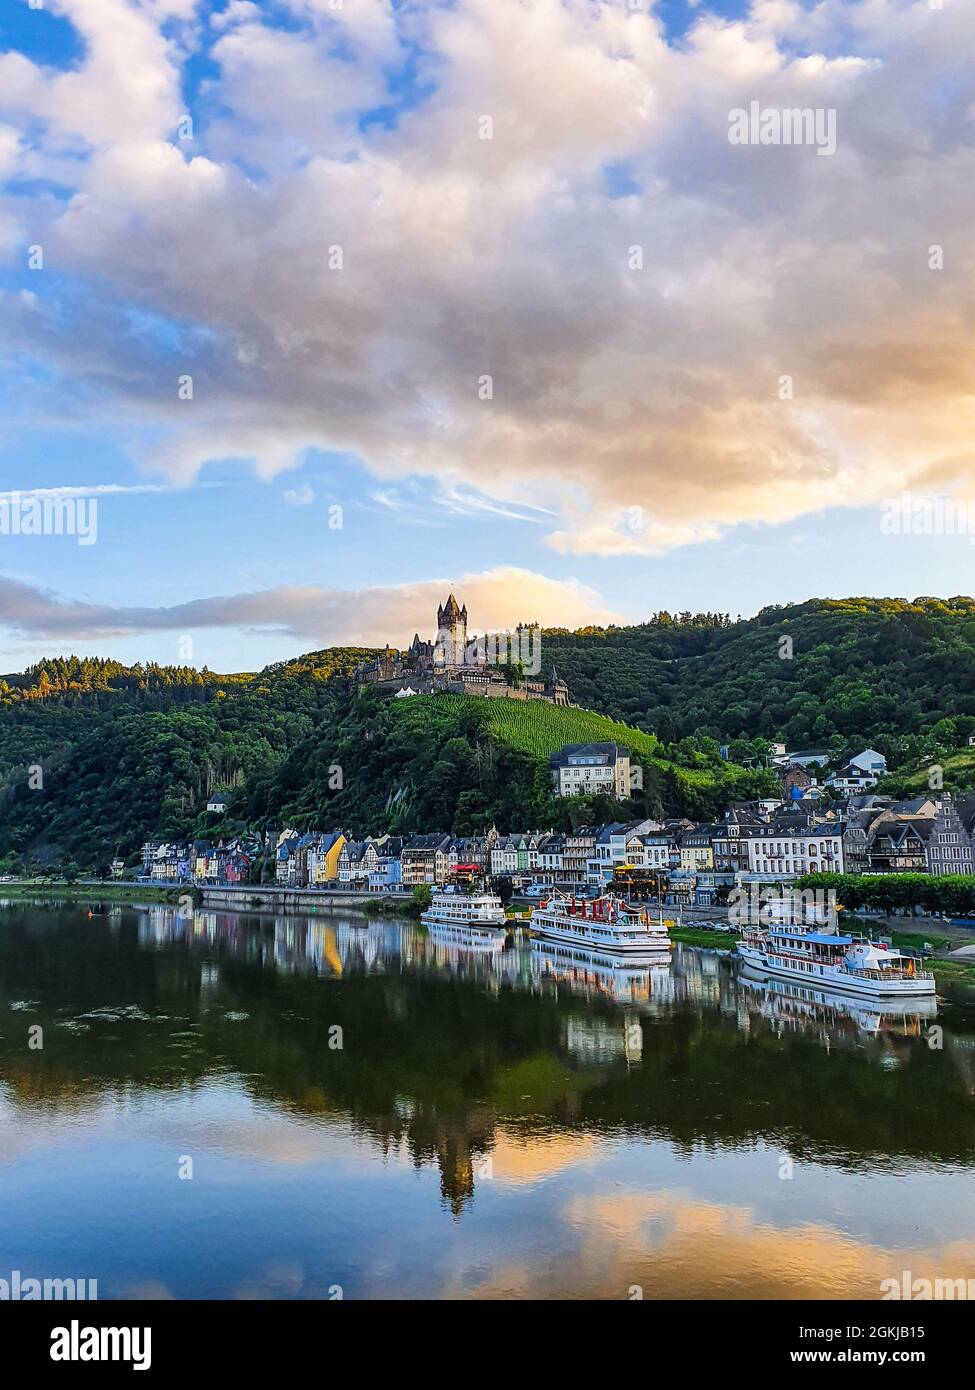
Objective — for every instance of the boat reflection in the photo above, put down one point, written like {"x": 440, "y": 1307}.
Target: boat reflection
{"x": 350, "y": 944}
{"x": 830, "y": 1015}
{"x": 595, "y": 975}
{"x": 454, "y": 937}
{"x": 495, "y": 1061}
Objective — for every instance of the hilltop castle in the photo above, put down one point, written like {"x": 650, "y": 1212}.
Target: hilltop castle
{"x": 465, "y": 665}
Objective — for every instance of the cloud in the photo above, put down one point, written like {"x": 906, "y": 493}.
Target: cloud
{"x": 344, "y": 260}
{"x": 80, "y": 490}
{"x": 496, "y": 600}
{"x": 302, "y": 496}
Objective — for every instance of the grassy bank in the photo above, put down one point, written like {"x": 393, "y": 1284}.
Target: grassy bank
{"x": 382, "y": 907}
{"x": 91, "y": 892}
{"x": 693, "y": 937}
{"x": 959, "y": 972}
{"x": 944, "y": 971}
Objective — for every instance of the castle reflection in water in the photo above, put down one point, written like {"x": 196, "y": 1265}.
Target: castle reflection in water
{"x": 606, "y": 1016}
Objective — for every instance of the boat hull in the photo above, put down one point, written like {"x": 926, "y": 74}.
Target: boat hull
{"x": 659, "y": 947}
{"x": 828, "y": 977}
{"x": 595, "y": 958}
{"x": 435, "y": 917}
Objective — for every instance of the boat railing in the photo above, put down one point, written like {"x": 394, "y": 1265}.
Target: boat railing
{"x": 892, "y": 972}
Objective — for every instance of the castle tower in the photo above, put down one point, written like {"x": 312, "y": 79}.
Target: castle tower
{"x": 452, "y": 632}
{"x": 556, "y": 689}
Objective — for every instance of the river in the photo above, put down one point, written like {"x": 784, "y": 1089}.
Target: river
{"x": 232, "y": 1105}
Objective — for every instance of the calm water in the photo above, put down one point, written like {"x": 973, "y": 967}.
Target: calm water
{"x": 492, "y": 1126}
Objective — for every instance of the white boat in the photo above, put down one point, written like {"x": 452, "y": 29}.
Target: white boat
{"x": 849, "y": 964}
{"x": 601, "y": 924}
{"x": 464, "y": 910}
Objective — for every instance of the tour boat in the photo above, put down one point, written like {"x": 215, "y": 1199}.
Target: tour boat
{"x": 603, "y": 924}
{"x": 463, "y": 910}
{"x": 850, "y": 964}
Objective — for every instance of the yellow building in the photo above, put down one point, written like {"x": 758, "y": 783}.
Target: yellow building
{"x": 323, "y": 859}
{"x": 696, "y": 853}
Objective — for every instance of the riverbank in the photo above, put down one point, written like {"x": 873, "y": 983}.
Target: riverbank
{"x": 958, "y": 972}
{"x": 92, "y": 892}
{"x": 694, "y": 936}
{"x": 384, "y": 907}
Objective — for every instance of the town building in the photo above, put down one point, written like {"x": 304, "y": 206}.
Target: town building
{"x": 899, "y": 845}
{"x": 870, "y": 761}
{"x": 696, "y": 849}
{"x": 795, "y": 781}
{"x": 810, "y": 757}
{"x": 950, "y": 846}
{"x": 781, "y": 851}
{"x": 583, "y": 769}
{"x": 634, "y": 846}
{"x": 850, "y": 779}
{"x": 388, "y": 873}
{"x": 579, "y": 844}
{"x": 425, "y": 859}
{"x": 322, "y": 857}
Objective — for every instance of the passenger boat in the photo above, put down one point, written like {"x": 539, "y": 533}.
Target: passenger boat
{"x": 849, "y": 964}
{"x": 463, "y": 910}
{"x": 600, "y": 924}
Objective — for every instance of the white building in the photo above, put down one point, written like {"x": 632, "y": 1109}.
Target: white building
{"x": 785, "y": 854}
{"x": 583, "y": 769}
{"x": 634, "y": 844}
{"x": 504, "y": 856}
{"x": 870, "y": 761}
{"x": 851, "y": 779}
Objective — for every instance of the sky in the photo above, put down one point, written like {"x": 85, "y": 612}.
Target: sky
{"x": 313, "y": 311}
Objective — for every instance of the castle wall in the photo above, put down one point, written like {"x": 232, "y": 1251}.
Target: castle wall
{"x": 448, "y": 663}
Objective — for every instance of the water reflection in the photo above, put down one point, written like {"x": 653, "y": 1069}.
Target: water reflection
{"x": 570, "y": 1108}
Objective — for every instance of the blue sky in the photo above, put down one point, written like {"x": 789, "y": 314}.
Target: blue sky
{"x": 635, "y": 452}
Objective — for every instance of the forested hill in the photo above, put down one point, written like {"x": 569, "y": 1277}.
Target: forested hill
{"x": 826, "y": 671}
{"x": 123, "y": 753}
{"x": 129, "y": 752}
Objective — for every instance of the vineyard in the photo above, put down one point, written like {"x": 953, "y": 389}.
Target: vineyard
{"x": 538, "y": 728}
